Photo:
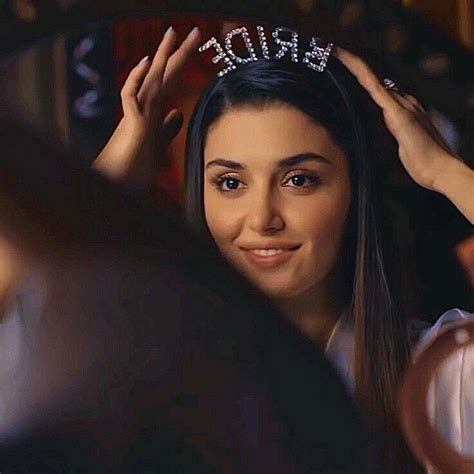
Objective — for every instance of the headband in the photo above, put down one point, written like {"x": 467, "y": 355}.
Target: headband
{"x": 316, "y": 58}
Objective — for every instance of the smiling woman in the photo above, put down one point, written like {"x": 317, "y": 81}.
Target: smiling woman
{"x": 271, "y": 110}
{"x": 254, "y": 206}
{"x": 283, "y": 179}
{"x": 281, "y": 176}
{"x": 282, "y": 173}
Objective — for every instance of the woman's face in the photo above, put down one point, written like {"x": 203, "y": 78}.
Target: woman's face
{"x": 275, "y": 179}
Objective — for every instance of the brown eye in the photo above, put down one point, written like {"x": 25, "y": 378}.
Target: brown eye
{"x": 298, "y": 180}
{"x": 227, "y": 183}
{"x": 302, "y": 180}
{"x": 232, "y": 183}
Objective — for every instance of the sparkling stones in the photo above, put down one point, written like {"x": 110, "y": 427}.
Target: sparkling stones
{"x": 318, "y": 53}
{"x": 263, "y": 42}
{"x": 226, "y": 70}
{"x": 248, "y": 44}
{"x": 286, "y": 45}
{"x": 315, "y": 59}
{"x": 221, "y": 55}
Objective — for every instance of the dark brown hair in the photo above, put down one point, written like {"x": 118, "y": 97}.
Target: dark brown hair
{"x": 370, "y": 281}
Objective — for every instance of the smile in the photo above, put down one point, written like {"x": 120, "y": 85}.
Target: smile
{"x": 268, "y": 257}
{"x": 266, "y": 252}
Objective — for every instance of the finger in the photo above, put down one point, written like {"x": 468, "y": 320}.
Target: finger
{"x": 415, "y": 102}
{"x": 180, "y": 57}
{"x": 367, "y": 79}
{"x": 412, "y": 115}
{"x": 154, "y": 79}
{"x": 403, "y": 101}
{"x": 129, "y": 92}
{"x": 171, "y": 126}
{"x": 434, "y": 132}
{"x": 408, "y": 115}
{"x": 419, "y": 113}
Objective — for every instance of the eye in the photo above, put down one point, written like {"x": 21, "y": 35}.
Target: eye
{"x": 229, "y": 181}
{"x": 302, "y": 180}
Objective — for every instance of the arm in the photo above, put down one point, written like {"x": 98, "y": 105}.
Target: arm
{"x": 457, "y": 184}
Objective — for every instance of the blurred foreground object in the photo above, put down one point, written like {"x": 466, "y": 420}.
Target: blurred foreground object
{"x": 430, "y": 447}
{"x": 132, "y": 347}
{"x": 465, "y": 254}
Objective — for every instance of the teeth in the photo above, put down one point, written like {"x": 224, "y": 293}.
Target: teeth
{"x": 267, "y": 252}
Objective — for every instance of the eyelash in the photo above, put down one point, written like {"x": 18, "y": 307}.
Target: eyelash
{"x": 314, "y": 178}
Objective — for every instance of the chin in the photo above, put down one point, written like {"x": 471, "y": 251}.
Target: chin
{"x": 277, "y": 291}
{"x": 273, "y": 286}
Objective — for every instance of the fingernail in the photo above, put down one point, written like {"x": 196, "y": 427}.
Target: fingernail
{"x": 144, "y": 60}
{"x": 169, "y": 30}
{"x": 193, "y": 31}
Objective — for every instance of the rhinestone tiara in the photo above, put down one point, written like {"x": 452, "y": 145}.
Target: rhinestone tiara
{"x": 316, "y": 58}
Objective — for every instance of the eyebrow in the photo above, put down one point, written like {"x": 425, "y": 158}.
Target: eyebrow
{"x": 283, "y": 163}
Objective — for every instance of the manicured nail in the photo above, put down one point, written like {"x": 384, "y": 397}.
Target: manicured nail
{"x": 144, "y": 60}
{"x": 193, "y": 31}
{"x": 169, "y": 30}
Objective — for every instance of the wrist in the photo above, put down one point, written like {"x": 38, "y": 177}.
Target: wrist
{"x": 455, "y": 174}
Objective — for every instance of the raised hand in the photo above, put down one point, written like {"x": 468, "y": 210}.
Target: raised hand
{"x": 132, "y": 153}
{"x": 422, "y": 151}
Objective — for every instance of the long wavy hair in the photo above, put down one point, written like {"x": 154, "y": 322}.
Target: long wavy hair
{"x": 371, "y": 283}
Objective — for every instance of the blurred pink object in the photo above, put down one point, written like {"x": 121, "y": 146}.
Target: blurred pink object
{"x": 465, "y": 253}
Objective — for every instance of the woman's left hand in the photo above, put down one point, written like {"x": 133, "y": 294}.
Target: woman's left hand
{"x": 422, "y": 150}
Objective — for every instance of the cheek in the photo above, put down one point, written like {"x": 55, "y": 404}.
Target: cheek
{"x": 323, "y": 224}
{"x": 220, "y": 221}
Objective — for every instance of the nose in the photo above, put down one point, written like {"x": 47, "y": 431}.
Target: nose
{"x": 264, "y": 213}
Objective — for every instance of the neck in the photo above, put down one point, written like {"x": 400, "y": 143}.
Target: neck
{"x": 314, "y": 312}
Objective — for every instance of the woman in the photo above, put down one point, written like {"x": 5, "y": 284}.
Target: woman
{"x": 279, "y": 176}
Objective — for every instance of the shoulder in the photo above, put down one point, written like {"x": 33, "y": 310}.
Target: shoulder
{"x": 424, "y": 334}
{"x": 450, "y": 396}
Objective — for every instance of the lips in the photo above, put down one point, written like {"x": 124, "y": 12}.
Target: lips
{"x": 269, "y": 257}
{"x": 270, "y": 246}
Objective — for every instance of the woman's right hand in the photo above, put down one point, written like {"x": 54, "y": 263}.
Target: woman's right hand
{"x": 131, "y": 155}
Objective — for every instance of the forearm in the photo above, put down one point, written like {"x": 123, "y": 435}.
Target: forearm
{"x": 457, "y": 184}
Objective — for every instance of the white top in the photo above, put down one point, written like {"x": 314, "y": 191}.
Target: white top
{"x": 451, "y": 393}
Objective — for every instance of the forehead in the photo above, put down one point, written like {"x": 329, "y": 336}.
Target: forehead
{"x": 266, "y": 134}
